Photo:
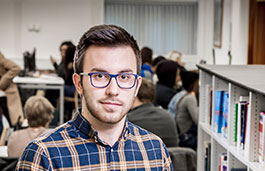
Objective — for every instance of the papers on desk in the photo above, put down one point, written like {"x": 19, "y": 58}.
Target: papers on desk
{"x": 43, "y": 79}
{"x": 3, "y": 151}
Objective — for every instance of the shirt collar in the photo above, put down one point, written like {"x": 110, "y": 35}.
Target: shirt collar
{"x": 85, "y": 127}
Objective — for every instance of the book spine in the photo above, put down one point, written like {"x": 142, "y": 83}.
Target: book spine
{"x": 261, "y": 137}
{"x": 235, "y": 123}
{"x": 244, "y": 108}
{"x": 224, "y": 114}
{"x": 218, "y": 111}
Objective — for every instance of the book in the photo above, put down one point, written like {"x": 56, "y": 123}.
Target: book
{"x": 261, "y": 137}
{"x": 225, "y": 103}
{"x": 222, "y": 162}
{"x": 210, "y": 101}
{"x": 241, "y": 114}
{"x": 218, "y": 111}
{"x": 238, "y": 169}
{"x": 207, "y": 156}
{"x": 244, "y": 111}
{"x": 235, "y": 123}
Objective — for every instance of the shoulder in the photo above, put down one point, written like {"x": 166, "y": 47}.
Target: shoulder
{"x": 189, "y": 97}
{"x": 56, "y": 134}
{"x": 16, "y": 135}
{"x": 139, "y": 134}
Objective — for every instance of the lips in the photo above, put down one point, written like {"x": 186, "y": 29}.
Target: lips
{"x": 111, "y": 104}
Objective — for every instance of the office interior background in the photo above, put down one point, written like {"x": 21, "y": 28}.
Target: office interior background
{"x": 164, "y": 25}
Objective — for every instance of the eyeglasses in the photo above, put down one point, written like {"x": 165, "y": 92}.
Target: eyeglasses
{"x": 103, "y": 79}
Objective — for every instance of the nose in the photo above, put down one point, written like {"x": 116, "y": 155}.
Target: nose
{"x": 112, "y": 89}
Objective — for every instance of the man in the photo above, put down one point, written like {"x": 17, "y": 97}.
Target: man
{"x": 151, "y": 118}
{"x": 107, "y": 64}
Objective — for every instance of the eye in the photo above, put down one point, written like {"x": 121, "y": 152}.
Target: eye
{"x": 99, "y": 75}
{"x": 125, "y": 77}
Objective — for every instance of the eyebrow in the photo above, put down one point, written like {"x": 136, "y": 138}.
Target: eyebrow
{"x": 102, "y": 70}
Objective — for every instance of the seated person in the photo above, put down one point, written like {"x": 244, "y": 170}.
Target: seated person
{"x": 168, "y": 73}
{"x": 155, "y": 63}
{"x": 60, "y": 69}
{"x": 8, "y": 70}
{"x": 146, "y": 70}
{"x": 156, "y": 120}
{"x": 39, "y": 113}
{"x": 187, "y": 110}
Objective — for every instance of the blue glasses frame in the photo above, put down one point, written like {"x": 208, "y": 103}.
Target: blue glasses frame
{"x": 111, "y": 76}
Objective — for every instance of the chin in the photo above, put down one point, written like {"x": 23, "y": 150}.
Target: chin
{"x": 111, "y": 119}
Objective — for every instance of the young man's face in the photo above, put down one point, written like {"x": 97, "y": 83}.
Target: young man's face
{"x": 108, "y": 105}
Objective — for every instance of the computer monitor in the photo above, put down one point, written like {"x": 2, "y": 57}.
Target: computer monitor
{"x": 29, "y": 61}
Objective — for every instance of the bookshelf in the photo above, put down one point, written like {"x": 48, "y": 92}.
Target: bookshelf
{"x": 237, "y": 80}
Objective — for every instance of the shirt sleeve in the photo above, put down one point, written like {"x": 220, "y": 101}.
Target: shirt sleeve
{"x": 12, "y": 69}
{"x": 166, "y": 159}
{"x": 34, "y": 159}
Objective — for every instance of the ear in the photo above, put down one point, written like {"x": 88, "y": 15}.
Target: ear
{"x": 138, "y": 84}
{"x": 77, "y": 83}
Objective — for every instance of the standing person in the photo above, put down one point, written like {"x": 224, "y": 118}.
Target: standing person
{"x": 39, "y": 113}
{"x": 8, "y": 70}
{"x": 107, "y": 66}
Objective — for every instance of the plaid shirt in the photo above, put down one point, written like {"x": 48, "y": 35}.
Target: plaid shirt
{"x": 76, "y": 146}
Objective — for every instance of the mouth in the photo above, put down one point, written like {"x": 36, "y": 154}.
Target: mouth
{"x": 111, "y": 105}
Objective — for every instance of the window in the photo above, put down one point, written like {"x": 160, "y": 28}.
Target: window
{"x": 162, "y": 26}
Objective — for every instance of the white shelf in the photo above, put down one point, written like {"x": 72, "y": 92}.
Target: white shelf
{"x": 237, "y": 80}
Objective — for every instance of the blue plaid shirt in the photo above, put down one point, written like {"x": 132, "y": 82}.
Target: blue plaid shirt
{"x": 76, "y": 146}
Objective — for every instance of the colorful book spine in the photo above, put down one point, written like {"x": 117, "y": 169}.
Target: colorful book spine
{"x": 218, "y": 111}
{"x": 225, "y": 114}
{"x": 261, "y": 137}
{"x": 222, "y": 162}
{"x": 241, "y": 121}
{"x": 244, "y": 111}
{"x": 235, "y": 123}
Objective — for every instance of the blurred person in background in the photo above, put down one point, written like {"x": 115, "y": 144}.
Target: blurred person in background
{"x": 155, "y": 63}
{"x": 168, "y": 73}
{"x": 187, "y": 110}
{"x": 10, "y": 102}
{"x": 154, "y": 119}
{"x": 146, "y": 70}
{"x": 60, "y": 68}
{"x": 39, "y": 113}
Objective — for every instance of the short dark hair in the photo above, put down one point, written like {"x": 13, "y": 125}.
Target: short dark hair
{"x": 105, "y": 36}
{"x": 146, "y": 54}
{"x": 146, "y": 92}
{"x": 157, "y": 60}
{"x": 67, "y": 43}
{"x": 166, "y": 72}
{"x": 189, "y": 79}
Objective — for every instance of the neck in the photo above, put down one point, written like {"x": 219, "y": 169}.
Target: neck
{"x": 107, "y": 132}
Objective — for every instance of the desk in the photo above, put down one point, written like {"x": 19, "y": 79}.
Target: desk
{"x": 44, "y": 82}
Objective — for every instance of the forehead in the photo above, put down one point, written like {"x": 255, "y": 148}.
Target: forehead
{"x": 110, "y": 59}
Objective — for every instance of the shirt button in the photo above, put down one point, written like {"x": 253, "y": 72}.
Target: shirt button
{"x": 111, "y": 150}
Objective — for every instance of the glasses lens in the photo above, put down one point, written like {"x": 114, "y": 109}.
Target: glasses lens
{"x": 126, "y": 80}
{"x": 100, "y": 79}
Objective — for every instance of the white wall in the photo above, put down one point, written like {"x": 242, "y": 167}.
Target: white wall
{"x": 59, "y": 20}
{"x": 234, "y": 31}
{"x": 53, "y": 21}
